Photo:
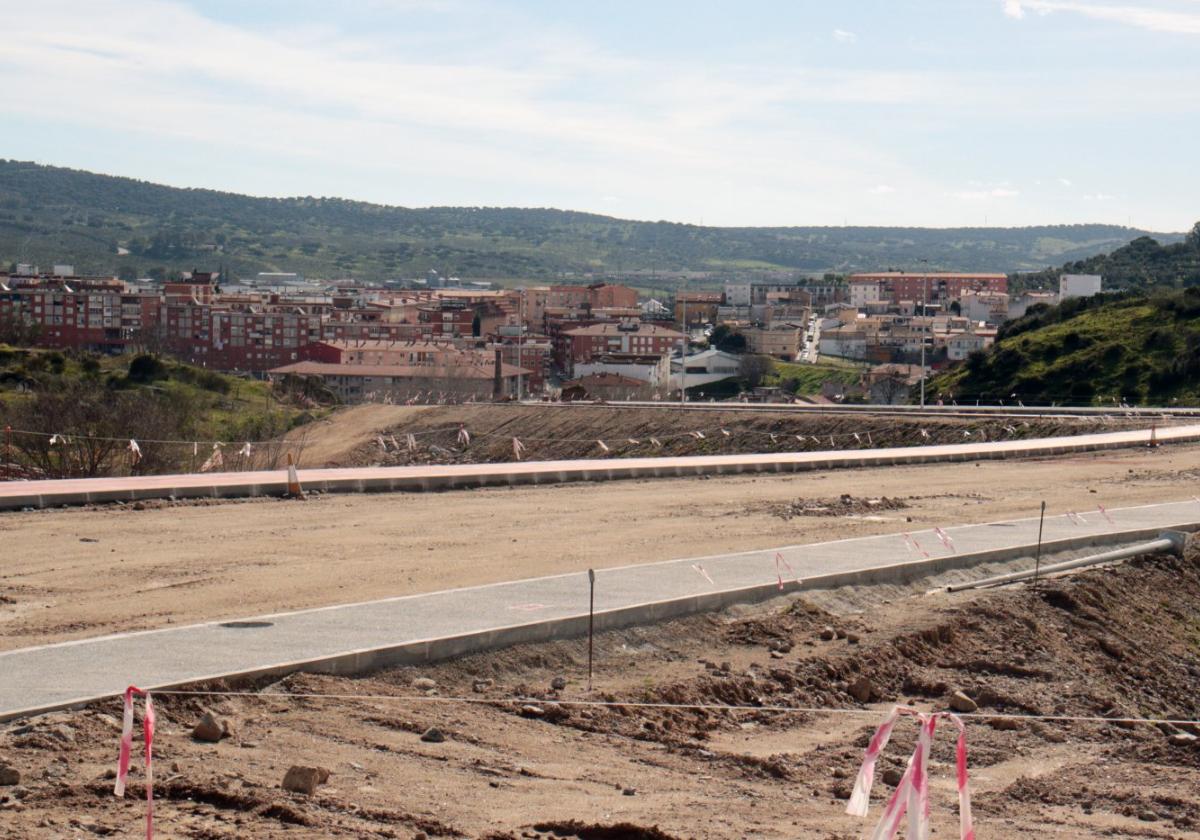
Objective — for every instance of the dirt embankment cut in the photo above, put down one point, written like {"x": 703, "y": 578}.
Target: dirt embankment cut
{"x": 523, "y": 761}
{"x": 378, "y": 435}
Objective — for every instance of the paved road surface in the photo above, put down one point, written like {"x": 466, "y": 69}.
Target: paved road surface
{"x": 37, "y": 494}
{"x": 416, "y": 628}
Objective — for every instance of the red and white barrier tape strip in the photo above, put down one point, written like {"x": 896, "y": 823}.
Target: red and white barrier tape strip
{"x": 911, "y": 795}
{"x": 779, "y": 561}
{"x": 945, "y": 538}
{"x": 700, "y": 570}
{"x": 912, "y": 543}
{"x": 127, "y": 748}
{"x": 1104, "y": 513}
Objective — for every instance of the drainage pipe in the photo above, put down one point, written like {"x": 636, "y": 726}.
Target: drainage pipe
{"x": 1169, "y": 541}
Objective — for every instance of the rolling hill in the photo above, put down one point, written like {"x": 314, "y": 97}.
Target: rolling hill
{"x": 1127, "y": 346}
{"x": 106, "y": 224}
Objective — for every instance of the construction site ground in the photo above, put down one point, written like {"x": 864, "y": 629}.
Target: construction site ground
{"x": 371, "y": 435}
{"x": 1111, "y": 642}
{"x": 69, "y": 574}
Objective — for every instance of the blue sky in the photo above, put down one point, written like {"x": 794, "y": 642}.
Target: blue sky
{"x": 1001, "y": 112}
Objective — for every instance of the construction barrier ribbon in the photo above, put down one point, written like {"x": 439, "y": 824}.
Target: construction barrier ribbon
{"x": 945, "y": 538}
{"x": 911, "y": 795}
{"x": 127, "y": 749}
{"x": 135, "y": 451}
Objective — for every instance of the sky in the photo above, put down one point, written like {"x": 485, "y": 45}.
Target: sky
{"x": 798, "y": 112}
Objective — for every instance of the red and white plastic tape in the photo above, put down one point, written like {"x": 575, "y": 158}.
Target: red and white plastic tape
{"x": 127, "y": 749}
{"x": 911, "y": 795}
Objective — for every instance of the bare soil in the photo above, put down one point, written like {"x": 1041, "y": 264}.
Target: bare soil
{"x": 377, "y": 434}
{"x": 524, "y": 761}
{"x": 73, "y": 573}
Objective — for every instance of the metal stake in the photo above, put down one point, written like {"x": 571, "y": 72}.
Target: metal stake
{"x": 1037, "y": 561}
{"x": 591, "y": 620}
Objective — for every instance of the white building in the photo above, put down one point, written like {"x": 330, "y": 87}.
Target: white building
{"x": 1018, "y": 306}
{"x": 863, "y": 292}
{"x": 1078, "y": 285}
{"x": 654, "y": 370}
{"x": 991, "y": 307}
{"x": 737, "y": 293}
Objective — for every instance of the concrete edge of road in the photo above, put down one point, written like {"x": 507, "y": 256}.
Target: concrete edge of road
{"x": 425, "y": 651}
{"x": 606, "y": 469}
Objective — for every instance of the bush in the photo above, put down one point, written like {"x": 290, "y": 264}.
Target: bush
{"x": 145, "y": 369}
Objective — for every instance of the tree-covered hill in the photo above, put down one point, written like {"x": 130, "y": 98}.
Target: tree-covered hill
{"x": 1141, "y": 264}
{"x": 106, "y": 224}
{"x": 1126, "y": 347}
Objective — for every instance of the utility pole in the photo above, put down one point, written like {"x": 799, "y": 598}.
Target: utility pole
{"x": 683, "y": 347}
{"x": 520, "y": 344}
{"x": 924, "y": 325}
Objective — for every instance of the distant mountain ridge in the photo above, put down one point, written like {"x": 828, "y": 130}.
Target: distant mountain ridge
{"x": 109, "y": 224}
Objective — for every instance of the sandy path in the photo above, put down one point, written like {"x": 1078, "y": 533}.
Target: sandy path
{"x": 75, "y": 573}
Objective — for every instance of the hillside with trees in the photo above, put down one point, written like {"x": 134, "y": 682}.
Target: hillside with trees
{"x": 111, "y": 225}
{"x": 1142, "y": 264}
{"x": 1120, "y": 347}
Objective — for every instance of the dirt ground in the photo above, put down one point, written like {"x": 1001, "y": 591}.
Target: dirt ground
{"x": 370, "y": 435}
{"x": 72, "y": 573}
{"x": 1111, "y": 642}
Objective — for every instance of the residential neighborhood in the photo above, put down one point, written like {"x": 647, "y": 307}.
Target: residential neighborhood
{"x": 437, "y": 339}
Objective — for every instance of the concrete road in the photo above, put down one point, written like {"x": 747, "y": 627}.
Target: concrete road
{"x": 437, "y": 625}
{"x": 40, "y": 494}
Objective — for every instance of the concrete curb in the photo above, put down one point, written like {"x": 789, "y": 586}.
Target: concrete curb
{"x": 423, "y": 651}
{"x": 44, "y": 494}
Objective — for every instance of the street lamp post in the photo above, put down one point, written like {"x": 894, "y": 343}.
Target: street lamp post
{"x": 924, "y": 299}
{"x": 683, "y": 348}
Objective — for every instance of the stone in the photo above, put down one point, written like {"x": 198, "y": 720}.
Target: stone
{"x": 960, "y": 702}
{"x": 532, "y": 711}
{"x": 853, "y": 638}
{"x": 424, "y": 684}
{"x": 210, "y": 729}
{"x": 1182, "y": 739}
{"x": 62, "y": 732}
{"x": 433, "y": 735}
{"x": 862, "y": 690}
{"x": 828, "y": 634}
{"x": 1004, "y": 724}
{"x": 480, "y": 686}
{"x": 558, "y": 683}
{"x": 777, "y": 654}
{"x": 299, "y": 779}
{"x": 629, "y": 791}
{"x": 892, "y": 776}
{"x": 9, "y": 776}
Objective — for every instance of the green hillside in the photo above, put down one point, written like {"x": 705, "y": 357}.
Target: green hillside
{"x": 1132, "y": 347}
{"x": 55, "y": 215}
{"x": 99, "y": 402}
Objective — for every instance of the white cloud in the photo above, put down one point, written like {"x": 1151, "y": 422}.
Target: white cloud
{"x": 986, "y": 193}
{"x": 844, "y": 37}
{"x": 1099, "y": 197}
{"x": 881, "y": 189}
{"x": 1066, "y": 182}
{"x": 1153, "y": 18}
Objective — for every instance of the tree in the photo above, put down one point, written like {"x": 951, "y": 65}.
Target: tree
{"x": 754, "y": 369}
{"x": 727, "y": 340}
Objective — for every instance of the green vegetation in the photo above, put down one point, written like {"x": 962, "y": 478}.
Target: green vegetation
{"x": 55, "y": 215}
{"x": 1142, "y": 264}
{"x": 1139, "y": 348}
{"x": 806, "y": 380}
{"x": 100, "y": 402}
